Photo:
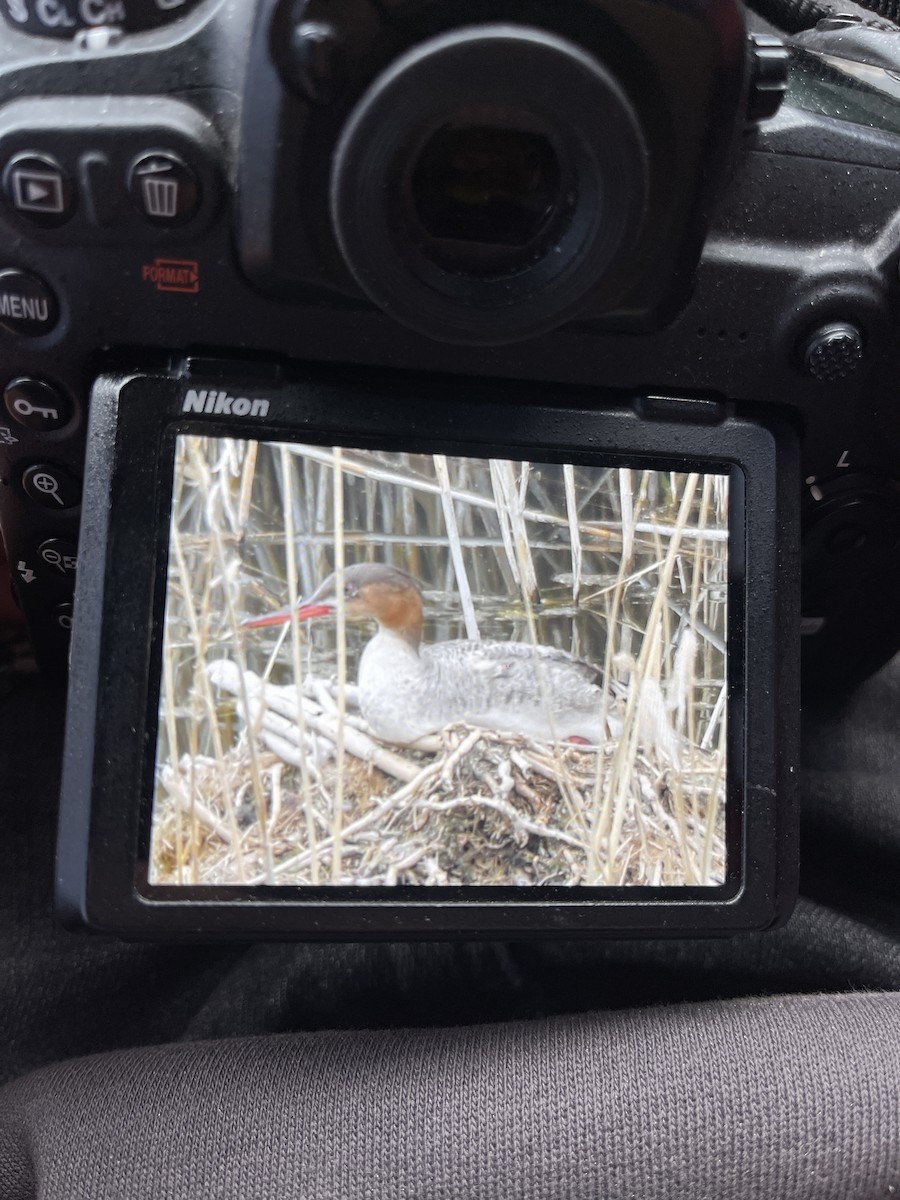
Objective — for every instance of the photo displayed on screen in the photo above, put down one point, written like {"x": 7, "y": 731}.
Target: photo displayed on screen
{"x": 386, "y": 669}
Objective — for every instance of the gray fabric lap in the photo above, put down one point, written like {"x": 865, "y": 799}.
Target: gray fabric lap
{"x": 789, "y": 1096}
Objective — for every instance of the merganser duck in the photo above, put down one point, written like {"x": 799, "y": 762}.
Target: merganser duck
{"x": 408, "y": 690}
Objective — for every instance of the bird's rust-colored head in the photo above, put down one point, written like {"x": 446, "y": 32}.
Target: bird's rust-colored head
{"x": 376, "y": 591}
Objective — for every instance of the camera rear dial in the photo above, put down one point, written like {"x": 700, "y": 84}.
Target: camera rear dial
{"x": 488, "y": 183}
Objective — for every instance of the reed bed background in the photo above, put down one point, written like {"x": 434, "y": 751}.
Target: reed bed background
{"x": 266, "y": 773}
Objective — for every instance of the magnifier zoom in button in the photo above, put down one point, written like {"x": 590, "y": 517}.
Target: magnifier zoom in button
{"x": 51, "y": 486}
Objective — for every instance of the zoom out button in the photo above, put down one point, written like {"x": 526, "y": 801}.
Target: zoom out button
{"x": 61, "y": 555}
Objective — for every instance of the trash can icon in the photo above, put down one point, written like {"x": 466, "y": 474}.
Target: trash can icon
{"x": 160, "y": 196}
{"x": 162, "y": 187}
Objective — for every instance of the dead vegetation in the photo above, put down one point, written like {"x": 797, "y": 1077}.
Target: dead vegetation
{"x": 626, "y": 569}
{"x": 468, "y": 806}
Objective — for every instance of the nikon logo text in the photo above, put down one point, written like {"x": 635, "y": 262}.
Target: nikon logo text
{"x": 220, "y": 404}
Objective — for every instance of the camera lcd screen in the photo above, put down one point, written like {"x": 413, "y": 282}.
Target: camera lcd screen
{"x": 393, "y": 670}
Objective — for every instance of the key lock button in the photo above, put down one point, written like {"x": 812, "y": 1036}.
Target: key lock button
{"x": 37, "y": 405}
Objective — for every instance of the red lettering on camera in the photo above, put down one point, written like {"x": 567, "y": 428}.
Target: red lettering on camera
{"x": 172, "y": 275}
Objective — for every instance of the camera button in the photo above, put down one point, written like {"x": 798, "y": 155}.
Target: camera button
{"x": 63, "y": 615}
{"x": 833, "y": 352}
{"x": 770, "y": 67}
{"x": 52, "y": 486}
{"x": 38, "y": 188}
{"x": 36, "y": 405}
{"x": 315, "y": 56}
{"x": 163, "y": 188}
{"x": 61, "y": 555}
{"x": 28, "y": 307}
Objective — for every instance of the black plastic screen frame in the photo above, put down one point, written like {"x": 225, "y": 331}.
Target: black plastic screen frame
{"x": 117, "y": 646}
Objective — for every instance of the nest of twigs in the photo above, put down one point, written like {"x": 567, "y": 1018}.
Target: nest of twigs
{"x": 468, "y": 807}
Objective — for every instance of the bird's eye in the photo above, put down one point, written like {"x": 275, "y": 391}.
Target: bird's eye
{"x": 349, "y": 591}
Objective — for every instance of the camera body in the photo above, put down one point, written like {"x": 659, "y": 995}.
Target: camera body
{"x": 588, "y": 194}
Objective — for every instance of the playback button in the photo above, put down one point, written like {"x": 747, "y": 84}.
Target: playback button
{"x": 38, "y": 188}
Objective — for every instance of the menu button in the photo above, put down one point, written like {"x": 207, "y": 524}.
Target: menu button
{"x": 28, "y": 307}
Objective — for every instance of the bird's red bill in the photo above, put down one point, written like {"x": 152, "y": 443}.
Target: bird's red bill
{"x": 306, "y": 612}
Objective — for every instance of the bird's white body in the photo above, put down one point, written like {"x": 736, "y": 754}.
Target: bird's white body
{"x": 406, "y": 692}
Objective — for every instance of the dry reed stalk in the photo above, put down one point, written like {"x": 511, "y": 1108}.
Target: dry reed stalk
{"x": 275, "y": 807}
{"x": 275, "y": 653}
{"x": 287, "y": 477}
{"x": 194, "y": 740}
{"x": 202, "y": 683}
{"x": 248, "y": 474}
{"x": 603, "y": 810}
{"x": 456, "y": 555}
{"x": 233, "y": 621}
{"x": 410, "y": 527}
{"x": 656, "y": 530}
{"x": 713, "y": 809}
{"x": 172, "y": 735}
{"x": 716, "y": 716}
{"x": 341, "y": 614}
{"x": 371, "y": 496}
{"x": 626, "y": 502}
{"x": 689, "y": 724}
{"x": 566, "y": 788}
{"x": 321, "y": 494}
{"x": 649, "y": 655}
{"x": 227, "y": 464}
{"x": 574, "y": 530}
{"x": 678, "y": 807}
{"x": 513, "y": 528}
{"x": 501, "y": 511}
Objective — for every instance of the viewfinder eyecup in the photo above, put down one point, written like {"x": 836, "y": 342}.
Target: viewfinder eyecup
{"x": 487, "y": 182}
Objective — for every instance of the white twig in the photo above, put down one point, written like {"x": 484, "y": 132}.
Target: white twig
{"x": 282, "y": 702}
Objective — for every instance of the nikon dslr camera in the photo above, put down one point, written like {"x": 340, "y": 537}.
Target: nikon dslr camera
{"x": 455, "y": 415}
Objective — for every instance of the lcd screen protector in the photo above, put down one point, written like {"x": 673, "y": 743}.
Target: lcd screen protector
{"x": 392, "y": 670}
